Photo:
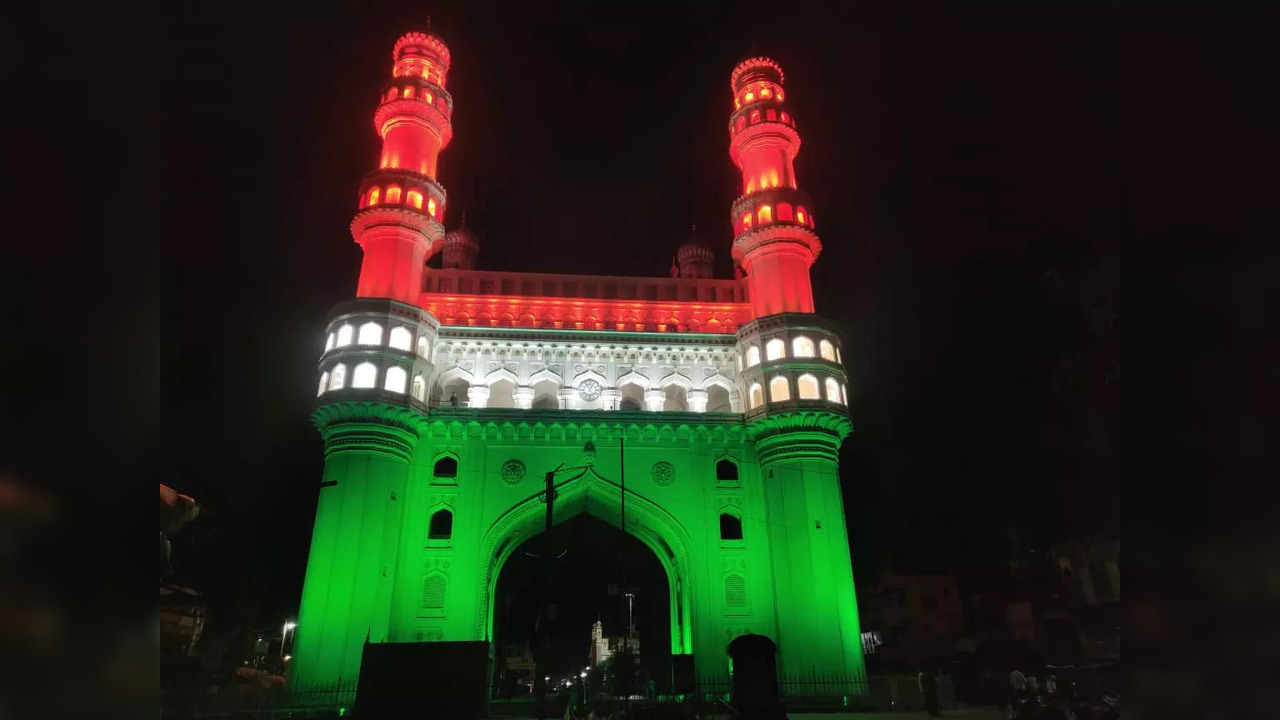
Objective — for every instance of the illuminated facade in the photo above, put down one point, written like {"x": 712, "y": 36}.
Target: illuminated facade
{"x": 445, "y": 395}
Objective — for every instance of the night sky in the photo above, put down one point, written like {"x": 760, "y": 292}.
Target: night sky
{"x": 980, "y": 180}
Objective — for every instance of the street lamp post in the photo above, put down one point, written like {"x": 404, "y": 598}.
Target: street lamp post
{"x": 288, "y": 625}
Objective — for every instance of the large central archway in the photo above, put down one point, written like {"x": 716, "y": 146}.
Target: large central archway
{"x": 601, "y": 498}
{"x": 593, "y": 568}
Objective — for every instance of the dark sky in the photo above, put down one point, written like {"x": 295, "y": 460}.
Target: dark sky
{"x": 980, "y": 180}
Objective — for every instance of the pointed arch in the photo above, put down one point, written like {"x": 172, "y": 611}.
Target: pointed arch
{"x": 676, "y": 378}
{"x": 600, "y": 497}
{"x": 589, "y": 374}
{"x": 730, "y": 388}
{"x": 545, "y": 375}
{"x": 634, "y": 378}
{"x": 501, "y": 374}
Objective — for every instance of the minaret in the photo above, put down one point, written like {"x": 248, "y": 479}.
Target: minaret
{"x": 795, "y": 384}
{"x": 696, "y": 257}
{"x": 774, "y": 239}
{"x": 401, "y": 203}
{"x": 373, "y": 376}
{"x": 460, "y": 249}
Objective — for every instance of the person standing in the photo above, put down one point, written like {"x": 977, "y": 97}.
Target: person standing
{"x": 929, "y": 690}
{"x": 453, "y": 399}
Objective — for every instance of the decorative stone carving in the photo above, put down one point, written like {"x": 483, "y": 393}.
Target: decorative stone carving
{"x": 513, "y": 472}
{"x": 664, "y": 473}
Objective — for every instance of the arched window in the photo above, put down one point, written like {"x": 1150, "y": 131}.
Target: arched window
{"x": 441, "y": 525}
{"x": 433, "y": 588}
{"x": 422, "y": 346}
{"x": 345, "y": 334}
{"x": 755, "y": 114}
{"x": 374, "y": 194}
{"x": 544, "y": 394}
{"x": 779, "y": 390}
{"x": 414, "y": 198}
{"x": 365, "y": 376}
{"x": 370, "y": 334}
{"x": 764, "y": 180}
{"x": 765, "y": 214}
{"x": 800, "y": 216}
{"x": 396, "y": 379}
{"x": 753, "y": 356}
{"x": 780, "y": 96}
{"x": 742, "y": 122}
{"x": 718, "y": 400}
{"x": 757, "y": 395}
{"x": 502, "y": 394}
{"x": 419, "y": 388}
{"x": 446, "y": 467}
{"x": 726, "y": 470}
{"x": 802, "y": 346}
{"x": 400, "y": 338}
{"x": 408, "y": 92}
{"x": 775, "y": 349}
{"x": 833, "y": 391}
{"x": 428, "y": 98}
{"x": 391, "y": 94}
{"x": 749, "y": 97}
{"x": 827, "y": 350}
{"x": 771, "y": 115}
{"x": 338, "y": 379}
{"x": 773, "y": 178}
{"x": 784, "y": 212}
{"x": 431, "y": 207}
{"x": 324, "y": 383}
{"x": 730, "y": 527}
{"x": 807, "y": 387}
{"x": 393, "y": 193}
{"x": 677, "y": 399}
{"x": 328, "y": 344}
{"x": 844, "y": 393}
{"x": 751, "y": 185}
{"x": 632, "y": 397}
{"x": 746, "y": 220}
{"x": 838, "y": 356}
{"x": 784, "y": 116}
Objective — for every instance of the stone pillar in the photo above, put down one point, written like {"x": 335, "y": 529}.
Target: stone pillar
{"x": 697, "y": 400}
{"x": 612, "y": 397}
{"x": 565, "y": 397}
{"x": 477, "y": 396}
{"x": 654, "y": 399}
{"x": 523, "y": 396}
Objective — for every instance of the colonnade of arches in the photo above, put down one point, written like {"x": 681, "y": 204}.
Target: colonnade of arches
{"x": 767, "y": 214}
{"x": 393, "y": 194}
{"x": 802, "y": 346}
{"x": 546, "y": 391}
{"x": 807, "y": 387}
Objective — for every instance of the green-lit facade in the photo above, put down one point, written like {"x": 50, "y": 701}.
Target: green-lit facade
{"x": 447, "y": 393}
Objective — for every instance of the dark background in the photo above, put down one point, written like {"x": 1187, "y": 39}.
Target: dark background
{"x": 981, "y": 181}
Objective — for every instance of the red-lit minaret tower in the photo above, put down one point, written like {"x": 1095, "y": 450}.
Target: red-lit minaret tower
{"x": 774, "y": 239}
{"x": 401, "y": 203}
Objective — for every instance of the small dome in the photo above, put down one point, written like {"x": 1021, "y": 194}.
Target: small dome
{"x": 696, "y": 256}
{"x": 461, "y": 246}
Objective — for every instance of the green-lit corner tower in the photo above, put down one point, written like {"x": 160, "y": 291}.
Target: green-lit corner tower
{"x": 445, "y": 395}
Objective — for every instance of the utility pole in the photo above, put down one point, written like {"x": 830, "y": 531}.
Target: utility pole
{"x": 540, "y": 625}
